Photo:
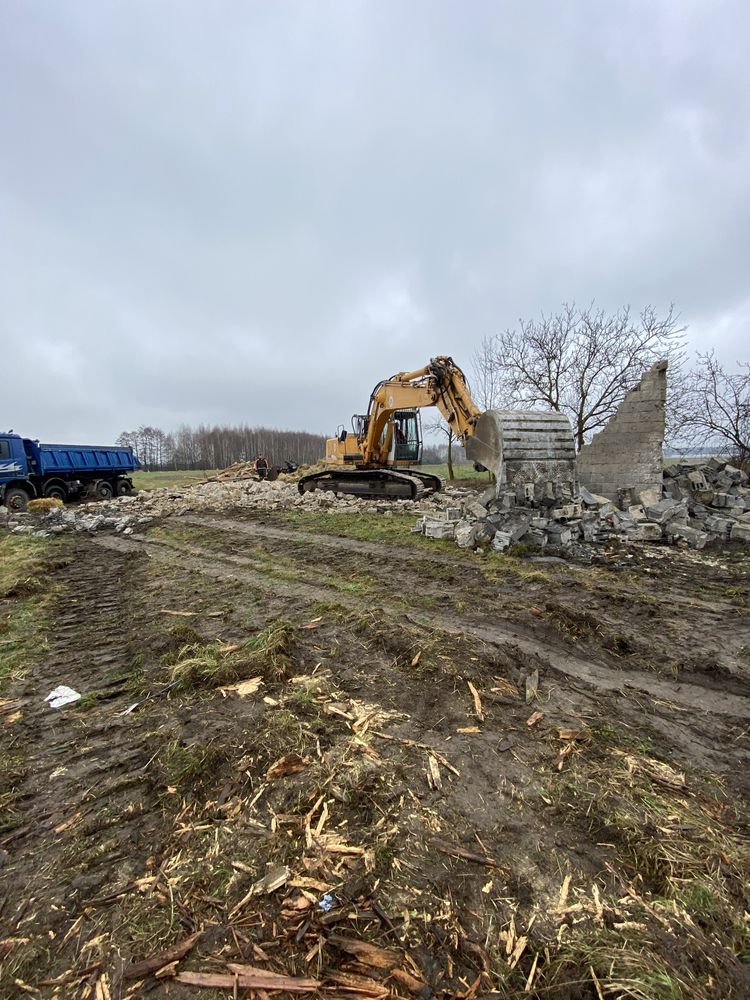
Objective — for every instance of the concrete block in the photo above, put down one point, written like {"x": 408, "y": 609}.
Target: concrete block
{"x": 559, "y": 534}
{"x": 646, "y": 531}
{"x": 501, "y": 541}
{"x": 740, "y": 532}
{"x": 695, "y": 539}
{"x": 440, "y": 529}
{"x": 464, "y": 533}
{"x": 475, "y": 508}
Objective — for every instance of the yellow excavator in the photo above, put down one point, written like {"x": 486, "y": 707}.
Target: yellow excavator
{"x": 377, "y": 458}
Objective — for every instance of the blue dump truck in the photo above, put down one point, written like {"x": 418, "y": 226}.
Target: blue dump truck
{"x": 29, "y": 469}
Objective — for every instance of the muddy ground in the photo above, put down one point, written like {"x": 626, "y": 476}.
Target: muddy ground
{"x": 376, "y": 764}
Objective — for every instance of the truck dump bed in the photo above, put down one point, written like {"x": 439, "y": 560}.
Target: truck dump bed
{"x": 74, "y": 459}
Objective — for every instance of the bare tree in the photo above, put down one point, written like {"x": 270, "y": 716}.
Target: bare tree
{"x": 582, "y": 362}
{"x": 486, "y": 385}
{"x": 714, "y": 407}
{"x": 439, "y": 425}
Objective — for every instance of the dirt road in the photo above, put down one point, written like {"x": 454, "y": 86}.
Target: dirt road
{"x": 469, "y": 775}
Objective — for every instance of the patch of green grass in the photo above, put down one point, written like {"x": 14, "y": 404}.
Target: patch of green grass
{"x": 211, "y": 664}
{"x": 189, "y": 766}
{"x": 464, "y": 471}
{"x": 25, "y": 587}
{"x": 155, "y": 480}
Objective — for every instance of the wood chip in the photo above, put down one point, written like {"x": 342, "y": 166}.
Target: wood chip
{"x": 477, "y": 702}
{"x": 270, "y": 882}
{"x": 416, "y": 659}
{"x": 534, "y": 718}
{"x": 366, "y": 953}
{"x": 244, "y": 688}
{"x": 433, "y": 774}
{"x": 138, "y": 970}
{"x": 260, "y": 979}
{"x": 460, "y": 852}
{"x": 292, "y": 763}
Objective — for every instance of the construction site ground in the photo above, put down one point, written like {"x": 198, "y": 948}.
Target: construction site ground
{"x": 384, "y": 767}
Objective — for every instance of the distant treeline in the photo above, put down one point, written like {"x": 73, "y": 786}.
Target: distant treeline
{"x": 218, "y": 447}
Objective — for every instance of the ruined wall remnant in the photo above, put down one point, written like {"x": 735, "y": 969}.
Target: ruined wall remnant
{"x": 627, "y": 452}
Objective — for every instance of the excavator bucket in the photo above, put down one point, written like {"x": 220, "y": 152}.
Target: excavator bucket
{"x": 524, "y": 446}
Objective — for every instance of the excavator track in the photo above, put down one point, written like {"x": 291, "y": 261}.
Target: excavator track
{"x": 373, "y": 484}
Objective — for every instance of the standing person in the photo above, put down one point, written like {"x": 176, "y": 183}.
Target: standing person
{"x": 261, "y": 466}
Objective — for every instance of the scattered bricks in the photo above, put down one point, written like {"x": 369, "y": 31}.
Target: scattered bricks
{"x": 453, "y": 514}
{"x": 722, "y": 500}
{"x": 720, "y": 526}
{"x": 740, "y": 532}
{"x": 649, "y": 497}
{"x": 488, "y": 496}
{"x": 517, "y": 530}
{"x": 695, "y": 539}
{"x": 439, "y": 529}
{"x": 501, "y": 541}
{"x": 567, "y": 512}
{"x": 637, "y": 513}
{"x": 730, "y": 476}
{"x": 536, "y": 537}
{"x": 475, "y": 508}
{"x": 665, "y": 511}
{"x": 646, "y": 532}
{"x": 559, "y": 534}
{"x": 464, "y": 535}
{"x": 591, "y": 499}
{"x": 705, "y": 497}
{"x": 484, "y": 533}
{"x": 697, "y": 480}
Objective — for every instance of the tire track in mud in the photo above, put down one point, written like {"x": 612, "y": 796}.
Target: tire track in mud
{"x": 83, "y": 774}
{"x": 222, "y": 565}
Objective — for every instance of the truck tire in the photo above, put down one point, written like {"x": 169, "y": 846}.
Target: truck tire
{"x": 104, "y": 490}
{"x": 123, "y": 488}
{"x": 56, "y": 491}
{"x": 16, "y": 499}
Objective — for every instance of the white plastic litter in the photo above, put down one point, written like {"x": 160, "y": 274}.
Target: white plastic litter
{"x": 62, "y": 695}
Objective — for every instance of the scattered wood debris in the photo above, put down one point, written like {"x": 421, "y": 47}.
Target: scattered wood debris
{"x": 138, "y": 970}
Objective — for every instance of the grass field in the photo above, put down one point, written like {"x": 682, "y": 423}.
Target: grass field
{"x": 154, "y": 480}
{"x": 459, "y": 471}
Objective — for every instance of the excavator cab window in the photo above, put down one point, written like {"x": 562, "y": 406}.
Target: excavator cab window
{"x": 407, "y": 436}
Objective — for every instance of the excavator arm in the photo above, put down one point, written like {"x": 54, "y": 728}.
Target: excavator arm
{"x": 441, "y": 383}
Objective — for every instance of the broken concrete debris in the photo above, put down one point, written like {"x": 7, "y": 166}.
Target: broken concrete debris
{"x": 695, "y": 505}
{"x": 129, "y": 515}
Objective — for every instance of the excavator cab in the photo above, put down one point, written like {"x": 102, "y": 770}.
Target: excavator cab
{"x": 407, "y": 437}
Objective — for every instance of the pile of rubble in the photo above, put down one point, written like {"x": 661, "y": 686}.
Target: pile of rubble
{"x": 696, "y": 505}
{"x": 130, "y": 514}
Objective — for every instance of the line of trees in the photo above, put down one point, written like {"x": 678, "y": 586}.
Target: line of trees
{"x": 218, "y": 447}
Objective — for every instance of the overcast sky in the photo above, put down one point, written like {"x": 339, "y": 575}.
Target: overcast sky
{"x": 252, "y": 212}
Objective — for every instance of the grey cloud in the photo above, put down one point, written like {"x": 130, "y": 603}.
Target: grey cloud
{"x": 255, "y": 211}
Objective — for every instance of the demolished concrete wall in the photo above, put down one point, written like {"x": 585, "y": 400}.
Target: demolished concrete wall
{"x": 627, "y": 452}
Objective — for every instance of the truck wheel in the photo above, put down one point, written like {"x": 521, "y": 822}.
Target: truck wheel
{"x": 56, "y": 492}
{"x": 124, "y": 488}
{"x": 16, "y": 499}
{"x": 104, "y": 490}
